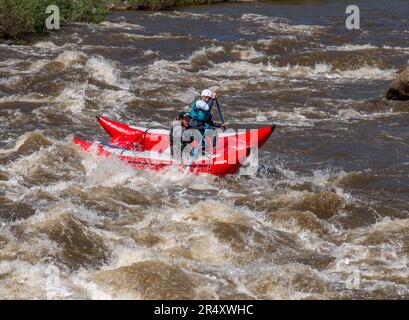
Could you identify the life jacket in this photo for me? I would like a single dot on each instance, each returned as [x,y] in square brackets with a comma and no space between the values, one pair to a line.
[199,114]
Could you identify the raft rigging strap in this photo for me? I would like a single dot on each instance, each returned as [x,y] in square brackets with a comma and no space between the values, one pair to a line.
[142,134]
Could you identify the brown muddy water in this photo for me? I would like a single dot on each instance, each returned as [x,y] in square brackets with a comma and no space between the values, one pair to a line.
[326,215]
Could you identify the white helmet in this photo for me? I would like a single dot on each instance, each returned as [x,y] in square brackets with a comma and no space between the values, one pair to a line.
[207,93]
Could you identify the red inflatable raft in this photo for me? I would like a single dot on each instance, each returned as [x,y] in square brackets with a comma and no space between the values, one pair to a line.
[150,148]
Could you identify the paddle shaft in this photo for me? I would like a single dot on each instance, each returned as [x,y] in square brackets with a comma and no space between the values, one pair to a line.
[194,155]
[220,111]
[196,150]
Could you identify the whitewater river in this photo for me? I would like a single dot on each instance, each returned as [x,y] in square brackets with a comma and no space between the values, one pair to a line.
[326,215]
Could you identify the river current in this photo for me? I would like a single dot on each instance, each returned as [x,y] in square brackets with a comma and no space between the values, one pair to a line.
[326,215]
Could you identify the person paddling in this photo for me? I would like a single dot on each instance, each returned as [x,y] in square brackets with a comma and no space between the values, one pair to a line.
[201,112]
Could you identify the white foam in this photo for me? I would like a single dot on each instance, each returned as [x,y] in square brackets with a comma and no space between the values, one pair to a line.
[289,118]
[363,47]
[103,70]
[9,63]
[368,73]
[280,25]
[185,95]
[10,81]
[70,57]
[106,171]
[351,47]
[19,142]
[185,14]
[32,281]
[164,35]
[93,291]
[113,99]
[32,97]
[247,53]
[162,70]
[150,52]
[46,45]
[204,52]
[320,70]
[349,115]
[38,65]
[237,68]
[396,48]
[74,98]
[120,25]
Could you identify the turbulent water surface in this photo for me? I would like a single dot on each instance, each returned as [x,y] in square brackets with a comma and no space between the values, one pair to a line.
[326,215]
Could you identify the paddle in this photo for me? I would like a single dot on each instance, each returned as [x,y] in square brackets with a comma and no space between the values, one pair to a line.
[220,111]
[195,151]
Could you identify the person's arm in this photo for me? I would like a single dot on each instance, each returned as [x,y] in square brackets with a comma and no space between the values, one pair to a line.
[217,125]
[200,104]
[213,124]
[210,103]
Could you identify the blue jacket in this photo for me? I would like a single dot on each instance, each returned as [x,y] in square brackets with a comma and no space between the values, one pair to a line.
[201,111]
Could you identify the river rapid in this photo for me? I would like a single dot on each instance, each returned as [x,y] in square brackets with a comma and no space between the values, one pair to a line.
[326,215]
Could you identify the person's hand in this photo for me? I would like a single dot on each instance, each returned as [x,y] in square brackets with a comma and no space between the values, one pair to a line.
[214,95]
[224,126]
